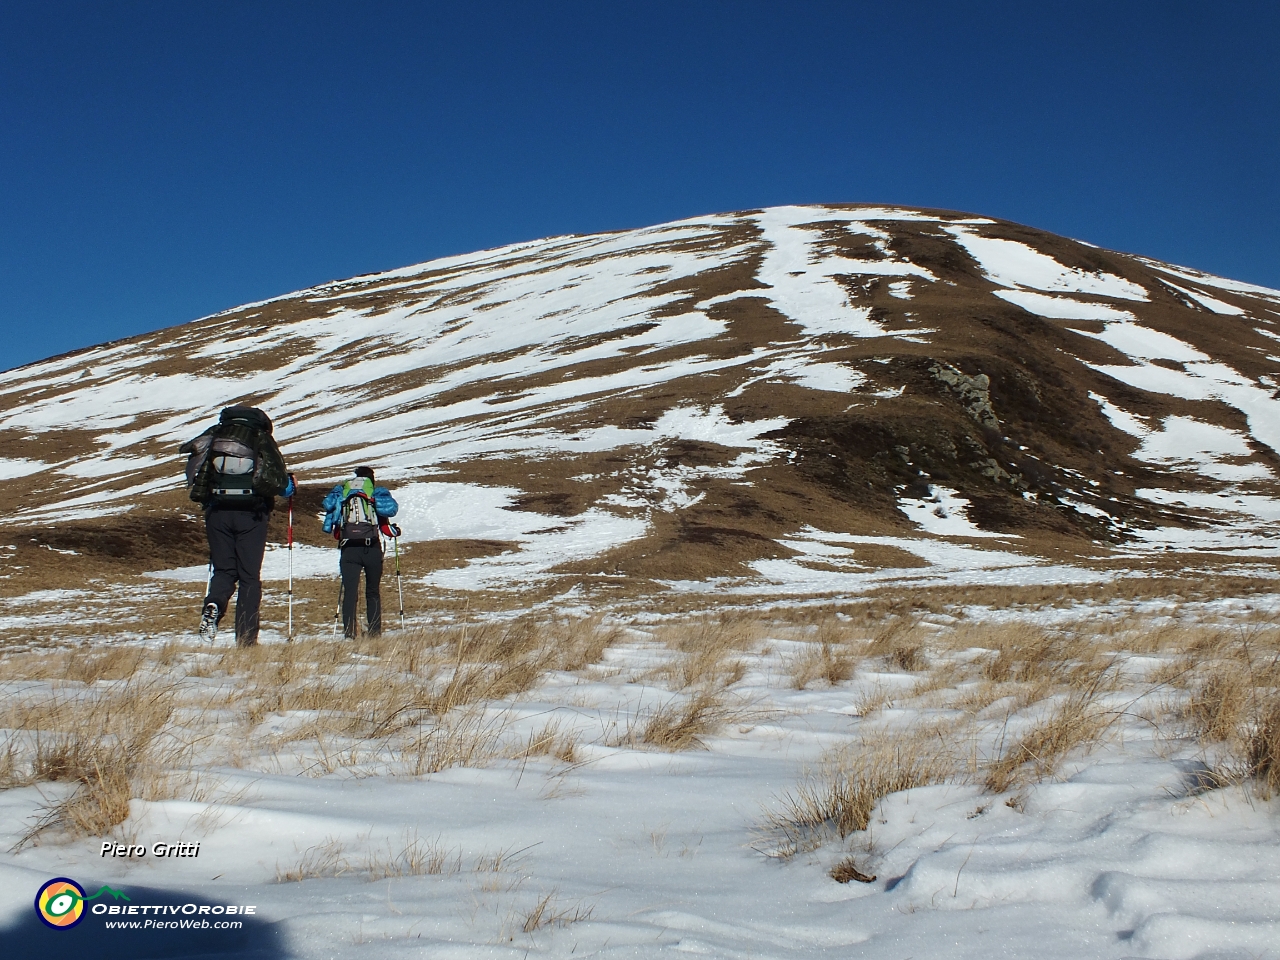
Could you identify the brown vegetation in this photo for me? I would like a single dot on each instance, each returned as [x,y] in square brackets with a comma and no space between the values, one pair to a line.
[113,723]
[838,798]
[1052,686]
[133,721]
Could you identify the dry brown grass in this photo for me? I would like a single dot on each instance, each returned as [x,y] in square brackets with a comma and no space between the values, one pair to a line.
[706,649]
[1074,724]
[993,669]
[82,664]
[109,743]
[681,723]
[901,641]
[1186,638]
[869,701]
[1262,750]
[422,685]
[464,738]
[128,721]
[831,656]
[549,741]
[133,721]
[943,675]
[322,860]
[548,911]
[1220,702]
[414,857]
[583,642]
[1234,706]
[840,796]
[823,661]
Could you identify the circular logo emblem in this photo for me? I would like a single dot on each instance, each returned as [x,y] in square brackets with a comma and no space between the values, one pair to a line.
[60,903]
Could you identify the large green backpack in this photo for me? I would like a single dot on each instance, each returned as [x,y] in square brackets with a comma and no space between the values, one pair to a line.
[359,516]
[235,462]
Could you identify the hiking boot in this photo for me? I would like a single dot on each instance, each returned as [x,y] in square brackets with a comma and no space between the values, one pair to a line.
[209,622]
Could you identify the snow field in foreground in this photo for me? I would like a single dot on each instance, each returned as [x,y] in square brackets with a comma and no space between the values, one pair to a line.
[315,797]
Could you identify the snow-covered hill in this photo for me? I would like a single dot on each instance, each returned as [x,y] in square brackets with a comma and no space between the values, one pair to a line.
[739,444]
[798,399]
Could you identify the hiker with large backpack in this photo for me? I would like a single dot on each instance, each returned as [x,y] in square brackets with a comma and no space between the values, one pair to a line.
[235,472]
[357,513]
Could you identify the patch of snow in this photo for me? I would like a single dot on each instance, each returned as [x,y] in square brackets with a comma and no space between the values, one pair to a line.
[813,374]
[11,468]
[803,275]
[574,538]
[308,561]
[1184,442]
[710,425]
[1226,501]
[1209,280]
[1088,509]
[1202,380]
[1014,264]
[447,511]
[111,466]
[1062,308]
[1143,343]
[832,377]
[838,569]
[1122,420]
[1211,303]
[943,513]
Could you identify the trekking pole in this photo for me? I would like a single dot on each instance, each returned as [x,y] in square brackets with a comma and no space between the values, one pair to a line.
[289,638]
[208,589]
[399,583]
[337,614]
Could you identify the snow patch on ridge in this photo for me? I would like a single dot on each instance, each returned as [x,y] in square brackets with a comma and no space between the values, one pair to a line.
[1211,303]
[1209,280]
[803,276]
[1014,264]
[1062,308]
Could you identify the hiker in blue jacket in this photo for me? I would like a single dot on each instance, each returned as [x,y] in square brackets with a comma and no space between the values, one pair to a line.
[357,514]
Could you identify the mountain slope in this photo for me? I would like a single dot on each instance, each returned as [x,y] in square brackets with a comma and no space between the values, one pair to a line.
[798,399]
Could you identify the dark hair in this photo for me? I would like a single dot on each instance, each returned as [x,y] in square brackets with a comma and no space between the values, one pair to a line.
[364,472]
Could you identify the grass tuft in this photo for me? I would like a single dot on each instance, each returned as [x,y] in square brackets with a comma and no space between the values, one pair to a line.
[1263,748]
[548,913]
[840,796]
[1076,723]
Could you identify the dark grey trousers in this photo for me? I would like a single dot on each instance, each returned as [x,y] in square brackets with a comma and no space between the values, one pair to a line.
[237,541]
[355,558]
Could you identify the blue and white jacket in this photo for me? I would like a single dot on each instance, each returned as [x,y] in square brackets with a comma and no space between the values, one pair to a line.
[383,502]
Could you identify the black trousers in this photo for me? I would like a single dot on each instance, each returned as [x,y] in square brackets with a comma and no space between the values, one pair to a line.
[237,541]
[355,558]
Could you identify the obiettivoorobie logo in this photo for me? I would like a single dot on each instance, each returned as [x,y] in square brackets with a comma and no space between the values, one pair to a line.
[60,902]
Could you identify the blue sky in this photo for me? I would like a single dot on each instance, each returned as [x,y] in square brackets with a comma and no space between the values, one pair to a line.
[163,161]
